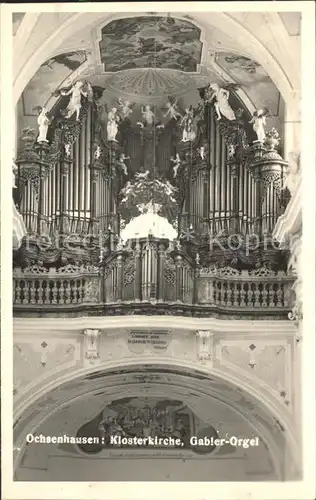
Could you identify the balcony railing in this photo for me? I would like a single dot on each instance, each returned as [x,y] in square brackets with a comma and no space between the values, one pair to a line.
[260,289]
[149,278]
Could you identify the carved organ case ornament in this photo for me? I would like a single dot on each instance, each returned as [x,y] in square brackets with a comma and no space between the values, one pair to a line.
[92,346]
[204,345]
[107,157]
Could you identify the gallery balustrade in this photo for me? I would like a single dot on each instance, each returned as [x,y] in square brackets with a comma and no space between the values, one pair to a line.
[145,273]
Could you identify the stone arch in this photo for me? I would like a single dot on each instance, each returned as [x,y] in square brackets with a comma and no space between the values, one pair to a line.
[45,403]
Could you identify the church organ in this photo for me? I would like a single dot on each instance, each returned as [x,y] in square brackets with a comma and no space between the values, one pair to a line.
[79,190]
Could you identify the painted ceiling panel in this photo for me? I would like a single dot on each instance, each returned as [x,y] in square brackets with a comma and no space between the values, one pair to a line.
[49,77]
[146,59]
[150,42]
[252,78]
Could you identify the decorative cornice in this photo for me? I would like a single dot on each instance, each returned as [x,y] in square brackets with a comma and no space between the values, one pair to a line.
[217,326]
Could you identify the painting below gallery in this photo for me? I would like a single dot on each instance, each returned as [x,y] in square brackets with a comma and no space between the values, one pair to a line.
[144,417]
[150,42]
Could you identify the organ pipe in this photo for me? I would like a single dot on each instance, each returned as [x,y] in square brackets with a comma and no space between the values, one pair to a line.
[70,191]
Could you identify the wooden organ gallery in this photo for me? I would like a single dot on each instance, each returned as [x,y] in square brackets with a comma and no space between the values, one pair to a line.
[213,192]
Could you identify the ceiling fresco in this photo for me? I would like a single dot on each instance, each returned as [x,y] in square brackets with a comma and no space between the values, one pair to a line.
[146,59]
[252,78]
[49,77]
[150,42]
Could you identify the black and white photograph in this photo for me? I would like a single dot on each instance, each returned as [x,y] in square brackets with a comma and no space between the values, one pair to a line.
[155,329]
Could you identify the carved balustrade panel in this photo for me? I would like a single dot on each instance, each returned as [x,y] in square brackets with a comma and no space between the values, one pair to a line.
[70,285]
[258,289]
[161,278]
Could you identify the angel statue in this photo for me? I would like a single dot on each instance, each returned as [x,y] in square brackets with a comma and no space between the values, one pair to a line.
[43,121]
[142,175]
[187,121]
[97,153]
[80,88]
[258,121]
[202,152]
[148,116]
[221,104]
[67,150]
[122,163]
[125,108]
[177,162]
[172,110]
[127,189]
[169,188]
[112,127]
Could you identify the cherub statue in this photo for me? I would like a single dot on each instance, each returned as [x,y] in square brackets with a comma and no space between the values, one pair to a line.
[127,189]
[67,150]
[142,175]
[125,108]
[112,127]
[259,120]
[148,116]
[43,121]
[169,190]
[172,111]
[122,163]
[202,152]
[187,122]
[80,88]
[177,162]
[97,153]
[221,104]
